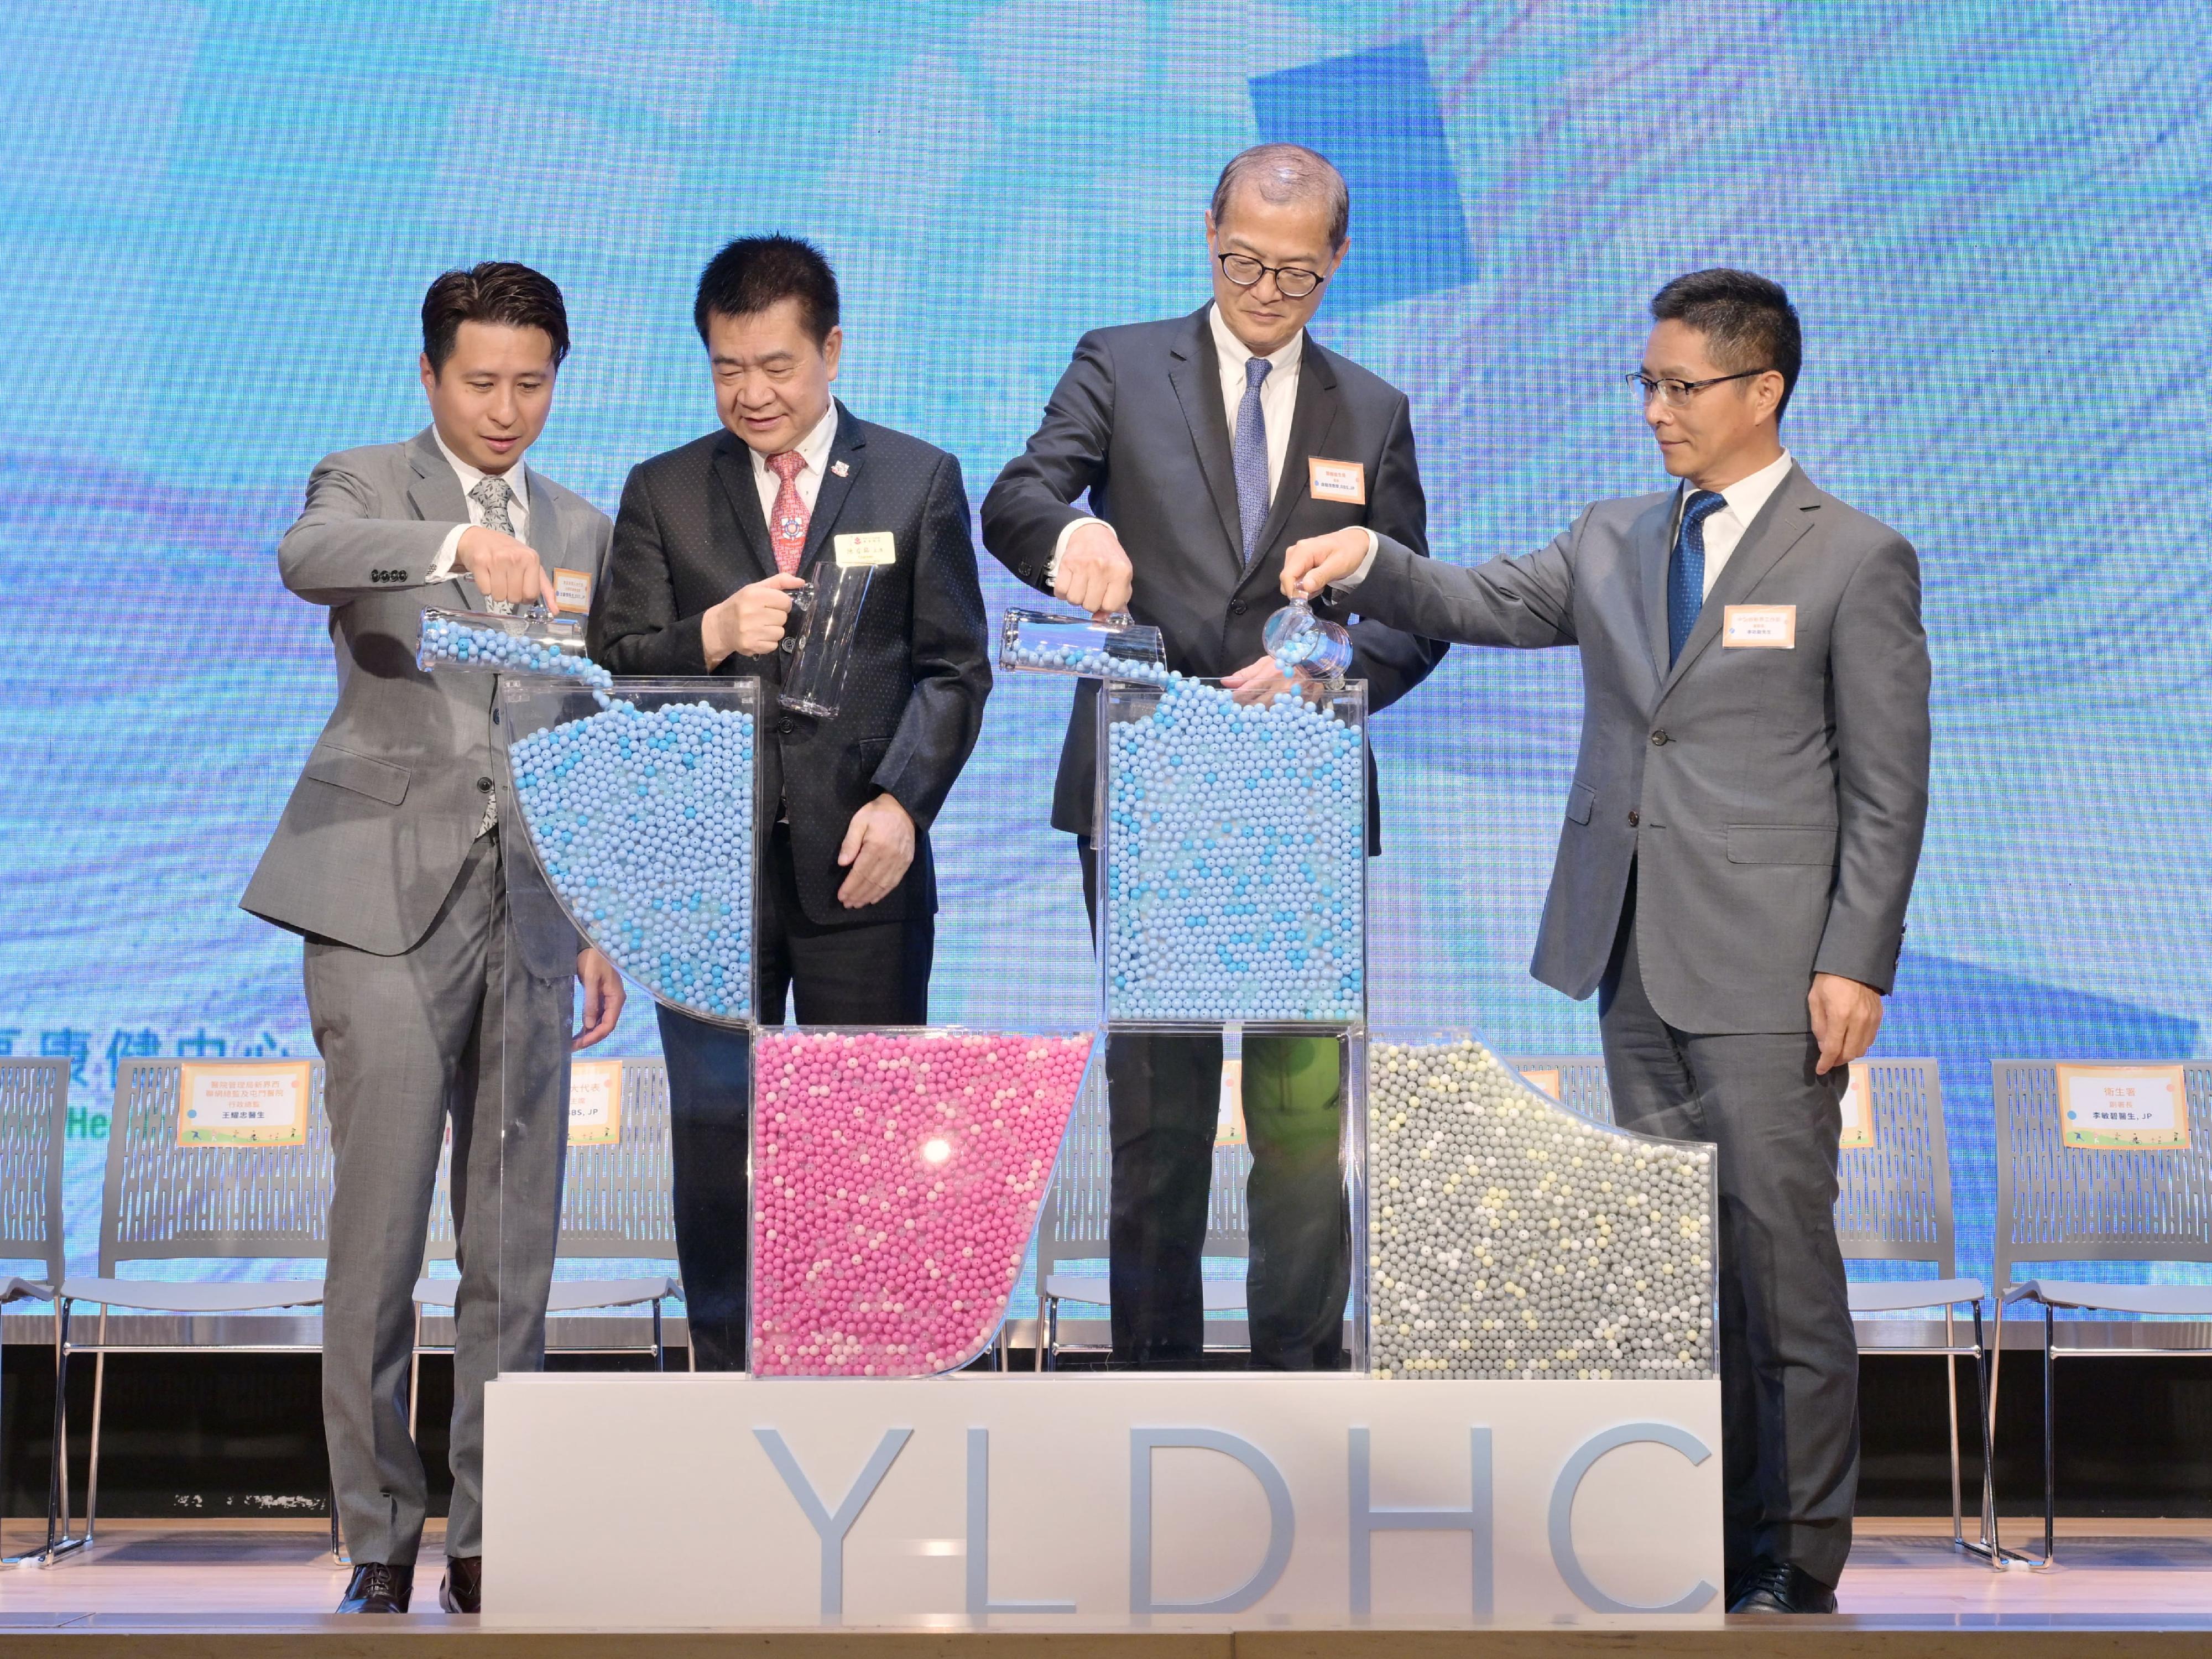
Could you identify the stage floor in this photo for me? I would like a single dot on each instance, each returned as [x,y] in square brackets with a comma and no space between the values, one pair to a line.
[235,1588]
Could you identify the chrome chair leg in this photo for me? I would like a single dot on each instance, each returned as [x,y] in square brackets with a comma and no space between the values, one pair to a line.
[659,1347]
[2050,1436]
[1049,1335]
[1951,1402]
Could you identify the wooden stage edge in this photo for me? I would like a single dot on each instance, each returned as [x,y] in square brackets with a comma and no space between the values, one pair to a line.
[240,1589]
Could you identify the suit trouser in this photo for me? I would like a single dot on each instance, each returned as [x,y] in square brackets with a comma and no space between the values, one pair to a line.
[1164,1094]
[407,1042]
[1789,1425]
[876,974]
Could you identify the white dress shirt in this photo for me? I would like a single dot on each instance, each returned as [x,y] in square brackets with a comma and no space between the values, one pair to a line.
[1278,402]
[1724,525]
[814,452]
[517,507]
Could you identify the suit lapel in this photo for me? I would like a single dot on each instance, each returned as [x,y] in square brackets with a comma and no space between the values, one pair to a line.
[754,556]
[1195,373]
[845,446]
[1654,542]
[435,496]
[1311,417]
[546,536]
[1780,525]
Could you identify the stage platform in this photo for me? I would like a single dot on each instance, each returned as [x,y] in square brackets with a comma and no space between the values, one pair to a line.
[231,1590]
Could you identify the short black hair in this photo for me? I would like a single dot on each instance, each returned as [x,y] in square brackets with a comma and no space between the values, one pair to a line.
[495,291]
[1748,321]
[754,272]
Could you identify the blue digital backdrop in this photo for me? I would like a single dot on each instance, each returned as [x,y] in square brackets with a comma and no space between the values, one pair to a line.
[216,222]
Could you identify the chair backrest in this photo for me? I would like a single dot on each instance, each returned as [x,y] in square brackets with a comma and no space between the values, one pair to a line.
[34,1119]
[1894,1197]
[1582,1087]
[2061,1203]
[164,1201]
[616,1199]
[1072,1225]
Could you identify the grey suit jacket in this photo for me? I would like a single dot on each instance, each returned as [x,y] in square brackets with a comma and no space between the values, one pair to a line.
[386,809]
[1772,801]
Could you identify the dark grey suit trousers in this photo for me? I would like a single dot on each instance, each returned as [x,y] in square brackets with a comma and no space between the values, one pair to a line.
[1789,1423]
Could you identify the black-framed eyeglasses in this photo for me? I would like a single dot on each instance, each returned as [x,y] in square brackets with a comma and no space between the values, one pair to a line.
[1292,282]
[1675,394]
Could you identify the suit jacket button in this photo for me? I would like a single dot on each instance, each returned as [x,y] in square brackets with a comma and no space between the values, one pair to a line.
[484,784]
[786,645]
[1236,608]
[784,729]
[1658,739]
[1633,819]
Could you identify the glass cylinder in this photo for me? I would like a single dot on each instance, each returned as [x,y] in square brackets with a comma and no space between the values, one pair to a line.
[486,642]
[897,1178]
[830,604]
[1071,642]
[1232,848]
[640,809]
[1305,646]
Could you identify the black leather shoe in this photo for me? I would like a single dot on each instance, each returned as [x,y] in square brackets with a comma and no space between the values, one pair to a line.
[1781,1587]
[461,1590]
[376,1587]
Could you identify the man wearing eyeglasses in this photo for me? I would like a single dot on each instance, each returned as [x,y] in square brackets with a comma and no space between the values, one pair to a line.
[1194,437]
[1739,848]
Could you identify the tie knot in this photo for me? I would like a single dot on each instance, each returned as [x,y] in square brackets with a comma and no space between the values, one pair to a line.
[490,493]
[1702,505]
[1256,369]
[787,466]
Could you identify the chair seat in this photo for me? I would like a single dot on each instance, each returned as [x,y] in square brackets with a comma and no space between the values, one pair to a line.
[195,1296]
[2190,1301]
[25,1289]
[569,1295]
[1900,1296]
[1221,1295]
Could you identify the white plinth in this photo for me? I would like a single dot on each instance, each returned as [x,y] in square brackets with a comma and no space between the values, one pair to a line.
[665,1501]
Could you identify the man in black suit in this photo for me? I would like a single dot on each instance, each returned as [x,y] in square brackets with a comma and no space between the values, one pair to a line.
[1208,443]
[710,542]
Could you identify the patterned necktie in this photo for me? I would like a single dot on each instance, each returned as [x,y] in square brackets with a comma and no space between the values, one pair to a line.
[1251,455]
[1686,570]
[787,522]
[493,495]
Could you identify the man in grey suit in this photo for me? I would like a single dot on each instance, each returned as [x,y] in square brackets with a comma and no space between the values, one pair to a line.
[440,971]
[1206,444]
[1739,848]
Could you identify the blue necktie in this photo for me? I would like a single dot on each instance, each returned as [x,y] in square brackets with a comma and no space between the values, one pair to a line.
[1686,570]
[1251,454]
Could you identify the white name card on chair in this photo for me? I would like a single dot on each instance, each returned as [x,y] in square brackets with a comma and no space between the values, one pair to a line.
[595,1103]
[1858,1110]
[1228,1120]
[232,1105]
[1544,1080]
[2123,1107]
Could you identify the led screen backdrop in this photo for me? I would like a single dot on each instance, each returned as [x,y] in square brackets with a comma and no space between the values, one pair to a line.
[216,222]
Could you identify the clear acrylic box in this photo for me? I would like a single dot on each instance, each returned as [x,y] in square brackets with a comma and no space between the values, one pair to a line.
[1073,642]
[897,1178]
[1233,849]
[486,642]
[640,809]
[1508,1238]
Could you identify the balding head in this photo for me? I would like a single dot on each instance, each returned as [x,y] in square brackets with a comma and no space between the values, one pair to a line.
[1282,174]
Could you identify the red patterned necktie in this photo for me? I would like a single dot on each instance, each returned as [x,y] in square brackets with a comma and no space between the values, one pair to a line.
[787,523]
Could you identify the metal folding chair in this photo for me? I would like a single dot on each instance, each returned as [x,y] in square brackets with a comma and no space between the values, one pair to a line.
[1072,1226]
[166,1203]
[1582,1087]
[2061,1203]
[34,1119]
[616,1205]
[1893,1203]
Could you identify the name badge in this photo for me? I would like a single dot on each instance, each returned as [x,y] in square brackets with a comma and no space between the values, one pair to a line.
[571,590]
[875,547]
[1760,627]
[2123,1107]
[1857,1109]
[244,1105]
[1337,481]
[595,1103]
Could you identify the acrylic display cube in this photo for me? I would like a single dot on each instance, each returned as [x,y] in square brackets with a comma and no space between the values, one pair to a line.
[1232,841]
[897,1178]
[1510,1237]
[1072,642]
[640,809]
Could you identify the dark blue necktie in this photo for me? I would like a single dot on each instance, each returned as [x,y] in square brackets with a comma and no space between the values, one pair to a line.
[1686,570]
[1251,457]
